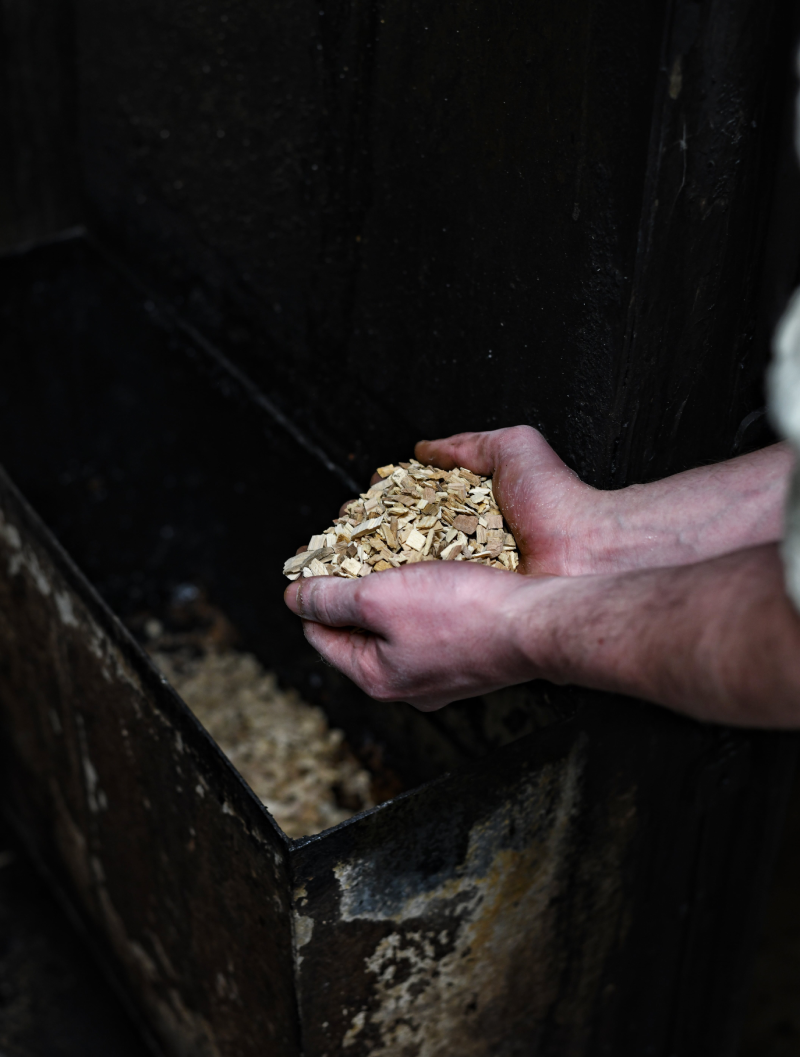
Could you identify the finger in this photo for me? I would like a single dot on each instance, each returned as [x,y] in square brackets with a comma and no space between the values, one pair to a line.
[341,647]
[330,600]
[302,550]
[474,451]
[355,654]
[344,506]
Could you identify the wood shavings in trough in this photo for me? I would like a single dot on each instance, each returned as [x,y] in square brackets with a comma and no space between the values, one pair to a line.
[414,513]
[300,768]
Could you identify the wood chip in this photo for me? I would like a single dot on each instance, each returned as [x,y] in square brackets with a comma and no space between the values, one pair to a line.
[404,519]
[466,523]
[366,528]
[297,563]
[429,541]
[451,552]
[415,539]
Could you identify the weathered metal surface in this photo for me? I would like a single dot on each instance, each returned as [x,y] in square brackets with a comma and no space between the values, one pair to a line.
[159,845]
[418,938]
[539,902]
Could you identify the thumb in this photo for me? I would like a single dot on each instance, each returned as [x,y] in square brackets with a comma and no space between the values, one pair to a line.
[483,453]
[474,451]
[333,601]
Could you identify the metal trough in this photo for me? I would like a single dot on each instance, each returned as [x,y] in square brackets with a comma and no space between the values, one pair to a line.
[568,873]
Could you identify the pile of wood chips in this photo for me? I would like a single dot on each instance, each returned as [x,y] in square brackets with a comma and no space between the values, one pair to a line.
[414,513]
[300,768]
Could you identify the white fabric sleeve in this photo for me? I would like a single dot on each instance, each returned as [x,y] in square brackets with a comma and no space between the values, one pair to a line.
[784,400]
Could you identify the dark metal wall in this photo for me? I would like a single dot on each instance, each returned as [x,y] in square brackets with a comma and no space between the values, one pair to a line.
[446,218]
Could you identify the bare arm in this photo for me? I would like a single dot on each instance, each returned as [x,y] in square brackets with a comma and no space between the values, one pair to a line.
[565,527]
[719,641]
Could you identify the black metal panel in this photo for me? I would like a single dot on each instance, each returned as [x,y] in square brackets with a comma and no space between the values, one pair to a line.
[690,376]
[458,217]
[40,157]
[175,868]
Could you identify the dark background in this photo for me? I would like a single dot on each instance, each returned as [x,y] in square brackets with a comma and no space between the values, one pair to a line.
[398,221]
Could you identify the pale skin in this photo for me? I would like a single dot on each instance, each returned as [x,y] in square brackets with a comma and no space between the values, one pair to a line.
[671,591]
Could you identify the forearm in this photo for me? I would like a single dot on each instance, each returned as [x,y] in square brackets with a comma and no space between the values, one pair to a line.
[691,516]
[719,641]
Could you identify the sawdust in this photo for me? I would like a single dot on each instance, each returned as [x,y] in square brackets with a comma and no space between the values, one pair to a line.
[300,768]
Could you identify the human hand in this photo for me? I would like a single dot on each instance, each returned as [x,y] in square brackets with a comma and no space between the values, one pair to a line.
[566,528]
[430,633]
[551,512]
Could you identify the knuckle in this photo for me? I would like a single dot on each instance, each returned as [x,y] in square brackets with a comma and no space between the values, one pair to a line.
[522,434]
[314,603]
[368,604]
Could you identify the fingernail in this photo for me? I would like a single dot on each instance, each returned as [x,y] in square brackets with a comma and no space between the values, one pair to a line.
[291,597]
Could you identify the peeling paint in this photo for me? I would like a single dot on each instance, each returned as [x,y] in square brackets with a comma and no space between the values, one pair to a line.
[65,610]
[427,978]
[303,931]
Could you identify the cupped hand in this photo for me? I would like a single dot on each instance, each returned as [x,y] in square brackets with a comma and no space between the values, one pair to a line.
[427,634]
[551,512]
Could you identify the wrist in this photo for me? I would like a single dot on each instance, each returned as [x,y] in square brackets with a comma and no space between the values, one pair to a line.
[540,625]
[595,538]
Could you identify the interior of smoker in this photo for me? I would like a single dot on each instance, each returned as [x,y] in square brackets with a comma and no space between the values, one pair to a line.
[158,467]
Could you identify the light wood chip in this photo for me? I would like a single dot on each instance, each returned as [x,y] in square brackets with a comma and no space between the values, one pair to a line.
[429,541]
[415,539]
[451,552]
[367,527]
[406,518]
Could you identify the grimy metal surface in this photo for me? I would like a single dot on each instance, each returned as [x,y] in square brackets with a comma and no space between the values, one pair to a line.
[137,815]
